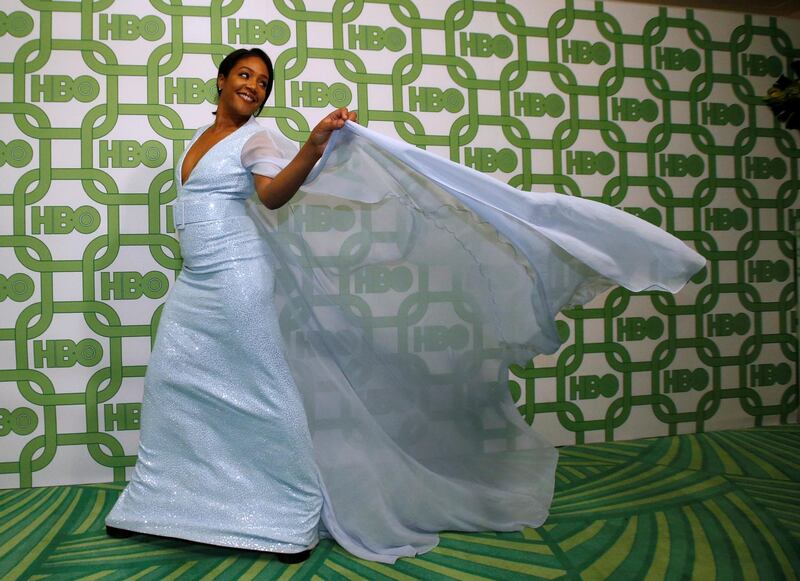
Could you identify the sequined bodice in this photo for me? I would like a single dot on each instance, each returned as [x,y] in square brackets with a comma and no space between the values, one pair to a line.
[219,174]
[210,210]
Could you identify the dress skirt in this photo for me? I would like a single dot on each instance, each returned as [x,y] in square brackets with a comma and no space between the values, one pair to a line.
[340,366]
[225,455]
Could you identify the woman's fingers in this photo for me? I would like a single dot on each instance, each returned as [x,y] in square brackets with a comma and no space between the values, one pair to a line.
[343,114]
[330,123]
[336,119]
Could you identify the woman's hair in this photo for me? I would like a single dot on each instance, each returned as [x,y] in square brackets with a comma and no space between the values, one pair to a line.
[229,61]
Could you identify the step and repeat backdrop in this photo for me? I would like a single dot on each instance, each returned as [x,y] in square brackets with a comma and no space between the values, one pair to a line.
[655,111]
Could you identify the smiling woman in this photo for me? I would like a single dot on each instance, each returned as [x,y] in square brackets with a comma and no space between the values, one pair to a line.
[298,388]
[207,475]
[247,65]
[243,84]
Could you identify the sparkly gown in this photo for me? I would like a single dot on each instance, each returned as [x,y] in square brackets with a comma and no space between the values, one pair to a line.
[225,454]
[338,367]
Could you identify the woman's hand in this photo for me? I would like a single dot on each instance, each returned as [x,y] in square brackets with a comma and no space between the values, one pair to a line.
[322,132]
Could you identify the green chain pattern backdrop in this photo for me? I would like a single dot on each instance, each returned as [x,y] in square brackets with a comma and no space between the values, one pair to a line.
[655,111]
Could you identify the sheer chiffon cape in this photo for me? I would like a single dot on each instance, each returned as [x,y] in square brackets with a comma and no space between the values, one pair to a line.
[406,285]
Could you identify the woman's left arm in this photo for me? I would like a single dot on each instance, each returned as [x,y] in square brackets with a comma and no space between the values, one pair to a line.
[275,192]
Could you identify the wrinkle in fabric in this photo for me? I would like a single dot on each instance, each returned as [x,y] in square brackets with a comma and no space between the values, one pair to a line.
[406,286]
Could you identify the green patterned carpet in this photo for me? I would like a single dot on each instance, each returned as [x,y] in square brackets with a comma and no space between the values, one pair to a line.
[724,505]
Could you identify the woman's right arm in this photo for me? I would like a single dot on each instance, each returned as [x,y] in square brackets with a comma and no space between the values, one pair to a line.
[275,192]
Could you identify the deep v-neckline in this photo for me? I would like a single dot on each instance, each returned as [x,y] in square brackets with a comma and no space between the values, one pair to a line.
[202,157]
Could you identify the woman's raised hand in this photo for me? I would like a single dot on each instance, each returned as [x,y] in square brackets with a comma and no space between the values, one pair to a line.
[322,132]
[275,192]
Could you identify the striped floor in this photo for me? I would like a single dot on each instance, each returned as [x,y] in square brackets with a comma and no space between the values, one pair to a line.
[724,505]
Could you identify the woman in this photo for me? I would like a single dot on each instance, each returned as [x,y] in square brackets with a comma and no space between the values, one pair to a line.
[338,367]
[204,347]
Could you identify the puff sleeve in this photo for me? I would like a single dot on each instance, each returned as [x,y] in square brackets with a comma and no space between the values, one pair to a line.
[262,154]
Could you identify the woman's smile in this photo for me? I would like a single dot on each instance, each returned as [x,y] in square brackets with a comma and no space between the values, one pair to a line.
[244,89]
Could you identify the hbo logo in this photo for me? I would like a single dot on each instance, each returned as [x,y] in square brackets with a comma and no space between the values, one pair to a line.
[21,421]
[129,27]
[189,90]
[769,374]
[682,380]
[639,328]
[675,59]
[487,159]
[123,286]
[63,219]
[762,168]
[584,52]
[432,99]
[66,353]
[727,324]
[376,38]
[62,88]
[725,219]
[679,165]
[17,287]
[312,94]
[721,114]
[767,270]
[440,337]
[16,24]
[319,218]
[127,153]
[16,153]
[538,104]
[759,65]
[255,31]
[380,279]
[593,386]
[627,109]
[588,162]
[484,45]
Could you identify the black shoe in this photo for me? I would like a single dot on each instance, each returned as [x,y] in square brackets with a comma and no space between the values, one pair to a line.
[293,558]
[118,533]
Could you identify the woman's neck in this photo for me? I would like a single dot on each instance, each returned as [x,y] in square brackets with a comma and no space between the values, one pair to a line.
[224,121]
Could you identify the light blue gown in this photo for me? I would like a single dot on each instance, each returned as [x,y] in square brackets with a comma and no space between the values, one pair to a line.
[338,367]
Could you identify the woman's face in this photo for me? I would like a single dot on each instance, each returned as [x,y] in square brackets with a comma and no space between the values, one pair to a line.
[245,87]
